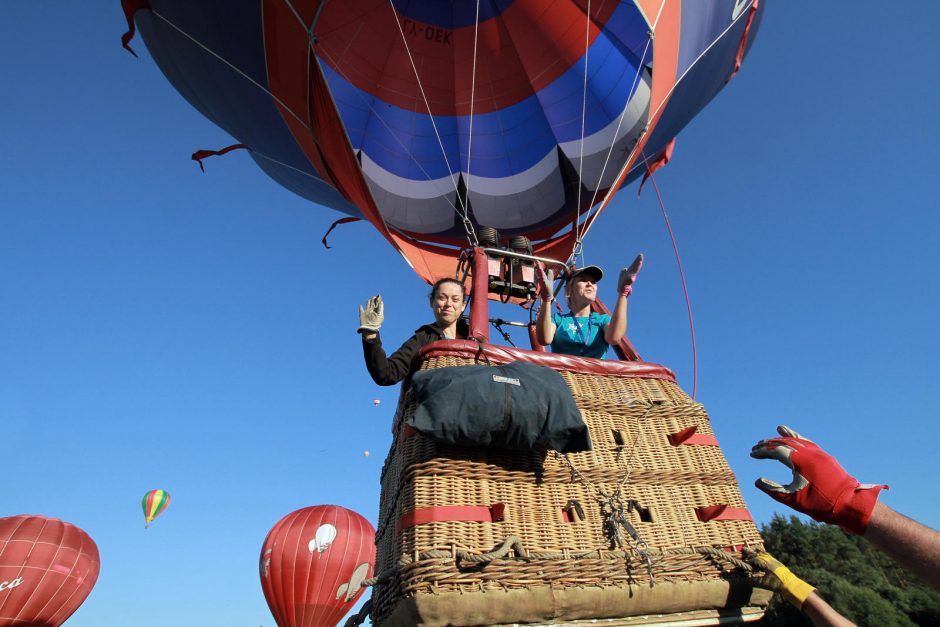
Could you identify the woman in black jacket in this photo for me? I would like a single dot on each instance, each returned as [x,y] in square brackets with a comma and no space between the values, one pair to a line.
[448,300]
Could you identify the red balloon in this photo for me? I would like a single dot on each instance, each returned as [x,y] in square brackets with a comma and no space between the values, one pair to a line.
[312,563]
[47,569]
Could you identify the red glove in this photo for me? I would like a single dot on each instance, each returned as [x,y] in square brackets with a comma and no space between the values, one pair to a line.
[821,488]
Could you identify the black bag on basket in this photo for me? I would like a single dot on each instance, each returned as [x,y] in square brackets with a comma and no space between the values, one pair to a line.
[517,406]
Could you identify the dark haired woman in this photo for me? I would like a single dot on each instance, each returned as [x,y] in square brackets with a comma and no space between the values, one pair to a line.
[447,300]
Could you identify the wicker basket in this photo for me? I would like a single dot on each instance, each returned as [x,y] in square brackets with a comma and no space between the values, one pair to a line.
[472,536]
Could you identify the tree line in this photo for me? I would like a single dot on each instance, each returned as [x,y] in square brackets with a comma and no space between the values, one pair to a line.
[858,580]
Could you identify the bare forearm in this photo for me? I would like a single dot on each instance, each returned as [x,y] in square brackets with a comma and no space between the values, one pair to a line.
[914,546]
[822,614]
[617,327]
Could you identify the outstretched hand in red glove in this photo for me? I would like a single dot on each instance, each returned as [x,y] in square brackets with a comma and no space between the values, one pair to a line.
[821,488]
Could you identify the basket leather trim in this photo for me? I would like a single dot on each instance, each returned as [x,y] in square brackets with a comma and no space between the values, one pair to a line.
[722,512]
[495,354]
[689,436]
[449,513]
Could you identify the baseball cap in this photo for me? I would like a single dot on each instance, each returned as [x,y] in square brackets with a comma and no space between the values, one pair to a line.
[593,271]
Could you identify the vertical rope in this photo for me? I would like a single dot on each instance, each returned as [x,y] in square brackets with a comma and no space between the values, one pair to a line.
[468,226]
[580,233]
[685,289]
[577,246]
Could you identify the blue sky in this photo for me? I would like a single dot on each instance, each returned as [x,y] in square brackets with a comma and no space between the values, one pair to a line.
[160,327]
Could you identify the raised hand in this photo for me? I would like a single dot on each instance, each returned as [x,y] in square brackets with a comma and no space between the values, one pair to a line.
[372,315]
[628,276]
[820,488]
[546,281]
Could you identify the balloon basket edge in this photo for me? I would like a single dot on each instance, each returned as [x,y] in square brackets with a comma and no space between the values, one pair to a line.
[565,567]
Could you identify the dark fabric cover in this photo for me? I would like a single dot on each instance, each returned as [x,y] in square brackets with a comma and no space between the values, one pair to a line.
[516,406]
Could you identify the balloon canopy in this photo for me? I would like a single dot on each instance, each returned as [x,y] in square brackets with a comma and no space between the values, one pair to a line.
[431,119]
[312,564]
[153,504]
[47,569]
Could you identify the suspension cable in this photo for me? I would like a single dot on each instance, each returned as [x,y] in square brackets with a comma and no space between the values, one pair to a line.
[468,226]
[576,247]
[579,235]
[685,289]
[378,117]
[231,66]
[335,63]
[590,221]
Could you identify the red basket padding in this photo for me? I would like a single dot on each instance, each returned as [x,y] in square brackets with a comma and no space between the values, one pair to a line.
[722,512]
[689,436]
[444,513]
[585,365]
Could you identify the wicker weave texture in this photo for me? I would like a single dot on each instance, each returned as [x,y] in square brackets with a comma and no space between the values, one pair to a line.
[543,494]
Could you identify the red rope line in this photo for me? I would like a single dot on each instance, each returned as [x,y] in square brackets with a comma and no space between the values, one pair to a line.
[685,289]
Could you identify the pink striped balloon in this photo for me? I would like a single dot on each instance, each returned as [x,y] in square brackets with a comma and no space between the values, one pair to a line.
[47,569]
[312,563]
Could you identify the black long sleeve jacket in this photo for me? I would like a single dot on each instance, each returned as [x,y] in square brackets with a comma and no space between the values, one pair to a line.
[391,370]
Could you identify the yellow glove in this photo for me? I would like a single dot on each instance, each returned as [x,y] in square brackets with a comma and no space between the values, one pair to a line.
[780,579]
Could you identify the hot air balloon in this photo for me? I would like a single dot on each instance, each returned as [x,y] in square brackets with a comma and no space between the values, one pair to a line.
[376,402]
[477,138]
[153,503]
[312,564]
[432,119]
[47,569]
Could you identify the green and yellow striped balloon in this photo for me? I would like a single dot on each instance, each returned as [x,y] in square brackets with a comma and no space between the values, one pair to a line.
[154,503]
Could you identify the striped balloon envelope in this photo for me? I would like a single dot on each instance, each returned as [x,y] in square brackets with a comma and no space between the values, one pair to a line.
[313,563]
[433,118]
[153,503]
[47,569]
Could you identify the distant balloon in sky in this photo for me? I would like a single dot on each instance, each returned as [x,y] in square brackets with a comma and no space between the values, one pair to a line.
[312,564]
[365,453]
[154,502]
[47,569]
[376,402]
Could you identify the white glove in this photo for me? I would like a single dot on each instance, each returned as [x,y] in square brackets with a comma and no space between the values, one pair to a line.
[372,315]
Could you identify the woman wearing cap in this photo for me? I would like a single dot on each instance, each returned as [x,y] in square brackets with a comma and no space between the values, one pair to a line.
[580,331]
[447,303]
